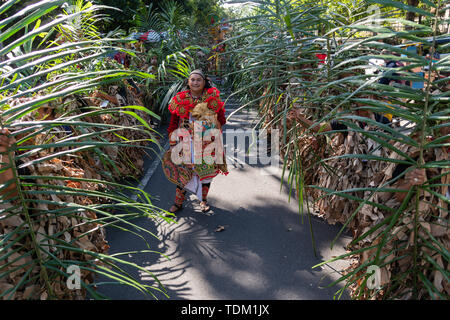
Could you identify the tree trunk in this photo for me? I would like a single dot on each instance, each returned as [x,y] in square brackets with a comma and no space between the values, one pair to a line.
[411,15]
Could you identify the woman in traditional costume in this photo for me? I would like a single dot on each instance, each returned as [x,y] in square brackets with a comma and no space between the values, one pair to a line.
[196,152]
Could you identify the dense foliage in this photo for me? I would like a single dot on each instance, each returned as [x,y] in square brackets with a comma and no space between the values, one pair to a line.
[297,60]
[197,12]
[63,66]
[69,154]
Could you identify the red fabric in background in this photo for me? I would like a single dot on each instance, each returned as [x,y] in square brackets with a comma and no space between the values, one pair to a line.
[321,57]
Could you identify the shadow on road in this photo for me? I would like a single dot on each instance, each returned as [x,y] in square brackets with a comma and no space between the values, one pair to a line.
[254,245]
[254,256]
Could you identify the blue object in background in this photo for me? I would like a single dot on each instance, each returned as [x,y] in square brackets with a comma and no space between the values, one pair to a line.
[418,85]
[412,49]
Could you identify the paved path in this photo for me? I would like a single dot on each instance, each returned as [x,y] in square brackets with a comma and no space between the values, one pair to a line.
[264,251]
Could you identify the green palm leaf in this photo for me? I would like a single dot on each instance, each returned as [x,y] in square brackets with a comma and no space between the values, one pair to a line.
[275,49]
[57,217]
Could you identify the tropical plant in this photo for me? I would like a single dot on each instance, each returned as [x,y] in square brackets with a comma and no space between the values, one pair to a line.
[146,18]
[123,16]
[407,240]
[173,72]
[81,27]
[351,180]
[203,10]
[174,23]
[55,223]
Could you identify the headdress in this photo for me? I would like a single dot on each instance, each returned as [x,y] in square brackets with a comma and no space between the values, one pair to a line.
[199,72]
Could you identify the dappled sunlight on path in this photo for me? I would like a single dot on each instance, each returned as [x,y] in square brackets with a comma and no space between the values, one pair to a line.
[252,245]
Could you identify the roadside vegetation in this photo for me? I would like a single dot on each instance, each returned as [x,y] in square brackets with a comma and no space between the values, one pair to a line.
[84,88]
[305,65]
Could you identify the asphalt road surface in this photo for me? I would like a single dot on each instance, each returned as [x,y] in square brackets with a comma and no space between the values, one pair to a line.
[253,245]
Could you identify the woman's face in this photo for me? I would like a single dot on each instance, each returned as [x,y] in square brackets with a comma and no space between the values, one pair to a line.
[196,83]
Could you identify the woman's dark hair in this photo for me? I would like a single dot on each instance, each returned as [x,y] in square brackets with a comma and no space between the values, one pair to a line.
[208,83]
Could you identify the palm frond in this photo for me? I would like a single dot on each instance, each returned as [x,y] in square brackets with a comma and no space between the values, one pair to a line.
[66,169]
[349,172]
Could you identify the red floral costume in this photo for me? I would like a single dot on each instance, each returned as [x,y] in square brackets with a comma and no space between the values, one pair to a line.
[183,103]
[180,107]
